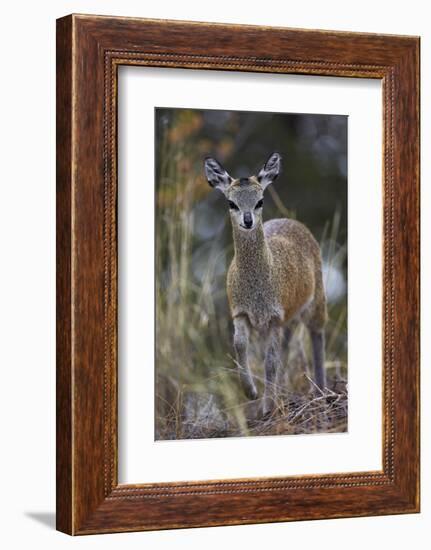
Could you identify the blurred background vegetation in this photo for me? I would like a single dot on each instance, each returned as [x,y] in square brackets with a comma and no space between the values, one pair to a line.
[197,389]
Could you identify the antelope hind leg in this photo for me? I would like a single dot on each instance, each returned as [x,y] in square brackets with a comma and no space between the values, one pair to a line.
[318,345]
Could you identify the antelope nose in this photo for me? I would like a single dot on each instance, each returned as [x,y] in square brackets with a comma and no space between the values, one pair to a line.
[248,220]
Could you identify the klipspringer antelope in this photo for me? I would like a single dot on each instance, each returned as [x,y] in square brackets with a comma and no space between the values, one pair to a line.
[274,280]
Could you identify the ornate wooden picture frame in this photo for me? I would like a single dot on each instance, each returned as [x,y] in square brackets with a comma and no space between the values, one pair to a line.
[89,51]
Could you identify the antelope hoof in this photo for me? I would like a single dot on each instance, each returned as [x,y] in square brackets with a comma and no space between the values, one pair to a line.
[268,408]
[251,392]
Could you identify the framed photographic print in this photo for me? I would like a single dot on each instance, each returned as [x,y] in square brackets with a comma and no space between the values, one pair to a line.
[237,274]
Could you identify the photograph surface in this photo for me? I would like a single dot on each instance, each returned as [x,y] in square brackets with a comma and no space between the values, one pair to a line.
[251,273]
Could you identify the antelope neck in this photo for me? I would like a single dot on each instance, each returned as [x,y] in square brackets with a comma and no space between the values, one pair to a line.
[251,249]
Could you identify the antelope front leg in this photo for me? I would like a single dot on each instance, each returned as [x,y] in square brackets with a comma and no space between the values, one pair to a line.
[272,365]
[240,341]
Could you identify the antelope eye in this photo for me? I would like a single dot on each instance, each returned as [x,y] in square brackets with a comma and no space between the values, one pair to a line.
[233,206]
[259,204]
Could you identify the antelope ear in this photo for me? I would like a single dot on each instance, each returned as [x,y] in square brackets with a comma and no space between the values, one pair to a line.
[216,175]
[270,170]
